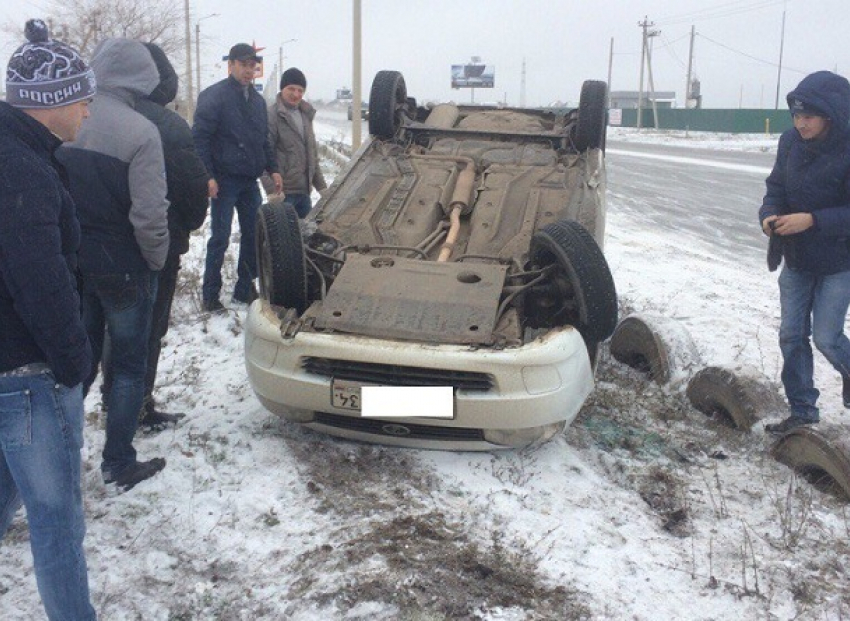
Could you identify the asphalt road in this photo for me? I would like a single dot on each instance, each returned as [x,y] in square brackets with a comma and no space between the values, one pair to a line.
[699,193]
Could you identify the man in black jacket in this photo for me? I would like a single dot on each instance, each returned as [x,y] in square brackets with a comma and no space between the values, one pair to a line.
[231,136]
[187,193]
[44,352]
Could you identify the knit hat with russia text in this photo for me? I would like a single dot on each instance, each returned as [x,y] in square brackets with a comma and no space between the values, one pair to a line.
[44,73]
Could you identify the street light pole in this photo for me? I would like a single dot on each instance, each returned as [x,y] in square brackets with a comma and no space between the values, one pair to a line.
[281,57]
[198,48]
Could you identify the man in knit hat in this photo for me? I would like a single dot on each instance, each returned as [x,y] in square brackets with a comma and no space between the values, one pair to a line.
[291,134]
[807,207]
[44,352]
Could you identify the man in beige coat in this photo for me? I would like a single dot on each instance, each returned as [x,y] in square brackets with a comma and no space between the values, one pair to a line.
[292,138]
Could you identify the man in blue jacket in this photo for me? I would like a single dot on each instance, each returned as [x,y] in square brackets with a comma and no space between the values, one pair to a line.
[44,352]
[231,136]
[807,209]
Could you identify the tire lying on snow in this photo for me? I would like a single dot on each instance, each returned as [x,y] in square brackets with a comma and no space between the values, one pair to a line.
[657,346]
[281,263]
[734,397]
[821,456]
[583,276]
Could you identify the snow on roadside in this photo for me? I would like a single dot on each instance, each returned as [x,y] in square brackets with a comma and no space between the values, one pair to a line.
[717,141]
[641,510]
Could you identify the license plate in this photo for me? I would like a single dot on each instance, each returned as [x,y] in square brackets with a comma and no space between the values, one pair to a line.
[393,401]
[346,395]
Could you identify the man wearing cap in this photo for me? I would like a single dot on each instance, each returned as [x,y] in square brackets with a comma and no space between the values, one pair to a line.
[44,351]
[291,134]
[807,208]
[231,136]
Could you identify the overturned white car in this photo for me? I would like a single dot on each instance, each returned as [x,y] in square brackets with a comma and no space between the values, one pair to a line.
[450,290]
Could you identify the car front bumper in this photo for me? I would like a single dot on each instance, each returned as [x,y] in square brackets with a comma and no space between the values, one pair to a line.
[534,390]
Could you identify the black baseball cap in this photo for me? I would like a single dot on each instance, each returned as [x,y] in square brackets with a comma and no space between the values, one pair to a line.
[243,51]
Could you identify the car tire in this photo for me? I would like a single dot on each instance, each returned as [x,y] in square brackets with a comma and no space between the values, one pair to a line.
[592,116]
[386,102]
[719,392]
[568,244]
[636,343]
[281,261]
[821,456]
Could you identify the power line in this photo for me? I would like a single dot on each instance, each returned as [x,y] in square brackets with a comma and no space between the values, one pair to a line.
[750,56]
[668,46]
[719,11]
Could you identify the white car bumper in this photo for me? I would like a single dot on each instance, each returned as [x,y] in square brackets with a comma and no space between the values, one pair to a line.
[530,392]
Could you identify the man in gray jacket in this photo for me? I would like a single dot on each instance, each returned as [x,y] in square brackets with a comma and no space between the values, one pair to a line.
[291,135]
[117,174]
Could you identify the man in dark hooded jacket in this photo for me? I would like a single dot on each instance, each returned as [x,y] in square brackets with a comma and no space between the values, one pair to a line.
[807,206]
[187,194]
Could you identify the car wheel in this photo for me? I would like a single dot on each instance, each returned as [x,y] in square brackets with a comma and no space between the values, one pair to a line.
[637,344]
[584,282]
[280,257]
[822,457]
[719,392]
[386,102]
[592,111]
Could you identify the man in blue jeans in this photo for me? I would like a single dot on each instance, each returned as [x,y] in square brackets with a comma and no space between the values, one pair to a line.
[231,136]
[117,172]
[806,211]
[44,352]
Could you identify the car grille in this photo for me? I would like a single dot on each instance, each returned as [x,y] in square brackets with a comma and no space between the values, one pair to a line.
[394,375]
[399,430]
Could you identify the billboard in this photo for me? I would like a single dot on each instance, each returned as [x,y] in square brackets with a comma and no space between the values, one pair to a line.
[473,75]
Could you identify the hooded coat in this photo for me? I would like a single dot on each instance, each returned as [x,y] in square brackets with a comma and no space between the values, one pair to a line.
[117,169]
[814,177]
[185,173]
[39,236]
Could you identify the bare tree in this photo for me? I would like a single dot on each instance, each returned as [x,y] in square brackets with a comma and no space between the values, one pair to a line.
[84,23]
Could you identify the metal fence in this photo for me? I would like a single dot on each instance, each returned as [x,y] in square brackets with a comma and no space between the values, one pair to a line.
[738,121]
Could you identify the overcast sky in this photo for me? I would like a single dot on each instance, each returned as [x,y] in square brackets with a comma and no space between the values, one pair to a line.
[562,42]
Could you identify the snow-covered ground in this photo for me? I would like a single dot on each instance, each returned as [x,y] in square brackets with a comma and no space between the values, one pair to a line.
[642,510]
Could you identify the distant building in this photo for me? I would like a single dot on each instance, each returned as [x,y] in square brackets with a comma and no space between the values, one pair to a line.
[628,100]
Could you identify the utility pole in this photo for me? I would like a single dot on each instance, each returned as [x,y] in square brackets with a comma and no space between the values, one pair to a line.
[651,34]
[779,72]
[355,80]
[522,87]
[690,67]
[198,54]
[610,66]
[644,25]
[190,91]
